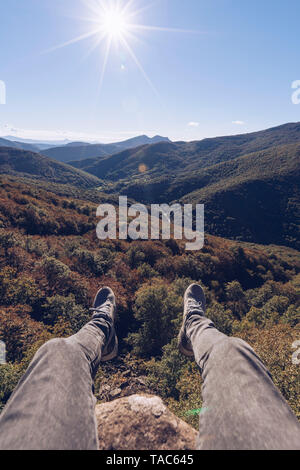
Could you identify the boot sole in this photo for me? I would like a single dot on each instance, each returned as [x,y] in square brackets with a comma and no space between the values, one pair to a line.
[186,352]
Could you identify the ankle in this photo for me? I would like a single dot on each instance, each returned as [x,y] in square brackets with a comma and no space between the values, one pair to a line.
[103,322]
[192,317]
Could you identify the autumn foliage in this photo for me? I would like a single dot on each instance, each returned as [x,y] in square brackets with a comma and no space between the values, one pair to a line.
[51,265]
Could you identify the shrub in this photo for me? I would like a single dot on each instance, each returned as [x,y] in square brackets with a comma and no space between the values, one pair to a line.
[95,263]
[21,290]
[237,300]
[55,270]
[292,316]
[37,221]
[165,373]
[18,331]
[64,308]
[146,272]
[222,317]
[9,378]
[188,266]
[156,309]
[274,347]
[135,257]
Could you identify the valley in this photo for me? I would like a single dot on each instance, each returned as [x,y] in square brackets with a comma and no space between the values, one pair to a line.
[51,262]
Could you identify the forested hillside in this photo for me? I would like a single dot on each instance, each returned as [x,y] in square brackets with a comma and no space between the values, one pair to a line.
[252,198]
[249,183]
[51,265]
[169,159]
[23,163]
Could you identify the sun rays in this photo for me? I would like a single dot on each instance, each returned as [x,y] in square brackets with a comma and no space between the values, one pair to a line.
[114,21]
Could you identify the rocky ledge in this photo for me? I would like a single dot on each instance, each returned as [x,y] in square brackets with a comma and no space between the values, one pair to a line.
[142,422]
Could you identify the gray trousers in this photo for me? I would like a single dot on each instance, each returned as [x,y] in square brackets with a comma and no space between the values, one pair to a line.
[53,406]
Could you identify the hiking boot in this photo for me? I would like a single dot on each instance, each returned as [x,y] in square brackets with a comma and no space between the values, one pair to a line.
[105,307]
[194,304]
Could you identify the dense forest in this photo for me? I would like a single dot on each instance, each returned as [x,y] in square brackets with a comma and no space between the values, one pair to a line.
[249,183]
[252,198]
[51,265]
[170,159]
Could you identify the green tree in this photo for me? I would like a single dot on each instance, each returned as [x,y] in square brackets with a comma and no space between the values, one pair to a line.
[64,308]
[221,316]
[156,309]
[9,378]
[237,299]
[165,373]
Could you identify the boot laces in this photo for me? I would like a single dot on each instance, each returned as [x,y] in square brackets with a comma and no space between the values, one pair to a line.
[192,304]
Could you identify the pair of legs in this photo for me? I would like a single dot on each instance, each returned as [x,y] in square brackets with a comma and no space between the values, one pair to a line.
[53,406]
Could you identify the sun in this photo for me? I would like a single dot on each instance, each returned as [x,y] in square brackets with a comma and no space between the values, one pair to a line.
[114,23]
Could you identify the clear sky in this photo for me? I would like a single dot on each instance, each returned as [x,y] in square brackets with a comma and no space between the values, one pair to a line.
[232,74]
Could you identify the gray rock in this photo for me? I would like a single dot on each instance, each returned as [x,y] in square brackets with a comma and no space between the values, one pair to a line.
[115,393]
[142,422]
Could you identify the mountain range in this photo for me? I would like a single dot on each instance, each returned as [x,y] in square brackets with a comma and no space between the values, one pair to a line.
[249,183]
[254,198]
[65,150]
[79,151]
[167,159]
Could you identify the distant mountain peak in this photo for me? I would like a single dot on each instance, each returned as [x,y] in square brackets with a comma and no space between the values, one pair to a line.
[76,151]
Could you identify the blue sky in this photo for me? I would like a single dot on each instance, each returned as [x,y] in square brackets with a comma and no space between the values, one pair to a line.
[233,76]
